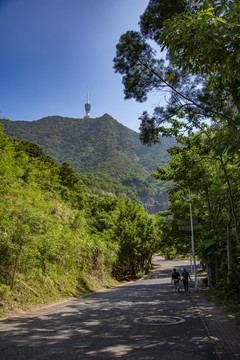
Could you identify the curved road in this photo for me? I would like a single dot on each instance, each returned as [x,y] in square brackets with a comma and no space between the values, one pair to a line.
[145,319]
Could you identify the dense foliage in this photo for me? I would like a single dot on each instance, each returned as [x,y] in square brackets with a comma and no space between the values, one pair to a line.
[200,74]
[107,155]
[56,239]
[214,184]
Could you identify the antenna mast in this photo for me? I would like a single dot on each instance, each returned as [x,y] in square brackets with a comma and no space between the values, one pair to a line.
[87,107]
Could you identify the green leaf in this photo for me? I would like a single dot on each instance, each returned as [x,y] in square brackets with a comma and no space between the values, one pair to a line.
[221,20]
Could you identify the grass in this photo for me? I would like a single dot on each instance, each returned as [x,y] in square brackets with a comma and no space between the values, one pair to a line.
[38,291]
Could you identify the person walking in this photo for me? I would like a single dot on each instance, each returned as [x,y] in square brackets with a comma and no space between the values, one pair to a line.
[175,279]
[185,277]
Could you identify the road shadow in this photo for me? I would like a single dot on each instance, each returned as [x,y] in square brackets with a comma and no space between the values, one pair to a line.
[142,320]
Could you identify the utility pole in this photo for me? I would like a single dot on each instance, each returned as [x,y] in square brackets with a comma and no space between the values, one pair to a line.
[193,248]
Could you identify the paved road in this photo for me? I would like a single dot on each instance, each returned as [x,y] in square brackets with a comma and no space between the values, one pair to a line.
[141,320]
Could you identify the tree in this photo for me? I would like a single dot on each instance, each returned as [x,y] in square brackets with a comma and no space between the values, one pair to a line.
[135,232]
[201,77]
[202,96]
[191,166]
[129,229]
[68,176]
[199,85]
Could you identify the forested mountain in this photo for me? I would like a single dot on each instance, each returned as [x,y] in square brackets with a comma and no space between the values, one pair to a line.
[108,156]
[57,240]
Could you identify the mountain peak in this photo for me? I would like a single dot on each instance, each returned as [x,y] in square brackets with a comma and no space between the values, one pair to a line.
[100,144]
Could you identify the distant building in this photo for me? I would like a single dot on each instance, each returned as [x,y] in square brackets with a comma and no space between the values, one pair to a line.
[87,108]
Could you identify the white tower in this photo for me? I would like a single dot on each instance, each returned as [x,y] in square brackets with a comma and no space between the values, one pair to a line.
[87,107]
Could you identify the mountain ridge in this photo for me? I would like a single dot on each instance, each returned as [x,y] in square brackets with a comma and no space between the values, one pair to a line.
[99,145]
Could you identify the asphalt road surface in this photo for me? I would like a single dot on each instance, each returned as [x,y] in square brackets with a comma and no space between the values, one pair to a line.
[145,319]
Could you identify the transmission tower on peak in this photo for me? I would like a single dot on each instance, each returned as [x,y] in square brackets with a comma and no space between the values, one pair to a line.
[87,107]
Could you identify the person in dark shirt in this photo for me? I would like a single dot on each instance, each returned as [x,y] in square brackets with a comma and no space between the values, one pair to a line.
[175,279]
[185,277]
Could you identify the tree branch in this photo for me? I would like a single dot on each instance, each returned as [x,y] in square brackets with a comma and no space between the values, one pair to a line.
[207,110]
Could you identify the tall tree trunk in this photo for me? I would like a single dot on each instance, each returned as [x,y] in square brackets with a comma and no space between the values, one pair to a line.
[210,211]
[229,250]
[234,216]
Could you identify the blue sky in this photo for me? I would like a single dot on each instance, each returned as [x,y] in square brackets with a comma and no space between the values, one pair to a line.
[52,49]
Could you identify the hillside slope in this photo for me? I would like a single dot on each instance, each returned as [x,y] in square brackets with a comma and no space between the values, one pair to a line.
[100,146]
[57,240]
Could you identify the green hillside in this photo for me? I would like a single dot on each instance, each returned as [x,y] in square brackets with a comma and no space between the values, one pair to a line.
[99,149]
[57,240]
